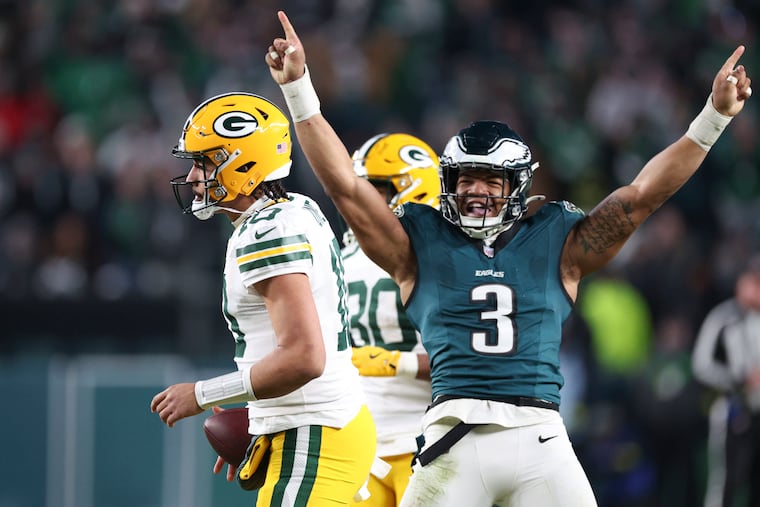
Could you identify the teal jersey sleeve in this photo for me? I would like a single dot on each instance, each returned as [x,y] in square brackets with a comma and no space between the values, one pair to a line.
[492,326]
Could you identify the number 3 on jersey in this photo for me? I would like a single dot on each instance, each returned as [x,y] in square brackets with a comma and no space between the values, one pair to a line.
[502,298]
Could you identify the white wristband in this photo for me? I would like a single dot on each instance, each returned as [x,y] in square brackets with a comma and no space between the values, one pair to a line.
[407,366]
[233,387]
[707,126]
[301,97]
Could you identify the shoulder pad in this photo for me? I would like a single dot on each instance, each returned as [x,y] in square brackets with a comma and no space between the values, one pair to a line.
[572,208]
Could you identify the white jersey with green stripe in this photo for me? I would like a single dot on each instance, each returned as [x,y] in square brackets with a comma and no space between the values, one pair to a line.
[285,237]
[378,318]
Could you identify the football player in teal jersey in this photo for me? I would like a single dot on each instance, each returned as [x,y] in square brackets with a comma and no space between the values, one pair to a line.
[489,288]
[393,365]
[284,301]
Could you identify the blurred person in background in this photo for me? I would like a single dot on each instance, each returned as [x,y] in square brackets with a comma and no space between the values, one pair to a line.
[666,404]
[285,304]
[489,290]
[726,358]
[387,349]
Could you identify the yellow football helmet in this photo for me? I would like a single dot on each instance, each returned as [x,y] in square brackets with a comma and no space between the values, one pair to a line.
[403,162]
[245,138]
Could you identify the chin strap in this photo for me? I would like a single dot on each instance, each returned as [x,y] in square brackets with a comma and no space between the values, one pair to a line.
[534,198]
[262,203]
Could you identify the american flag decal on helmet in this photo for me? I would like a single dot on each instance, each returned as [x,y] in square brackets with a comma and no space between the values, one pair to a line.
[282,148]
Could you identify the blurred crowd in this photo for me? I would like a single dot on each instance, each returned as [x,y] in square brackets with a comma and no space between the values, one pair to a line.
[93,94]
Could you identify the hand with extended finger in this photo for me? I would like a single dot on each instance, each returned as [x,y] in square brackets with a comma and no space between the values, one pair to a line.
[287,64]
[286,57]
[374,361]
[731,86]
[730,90]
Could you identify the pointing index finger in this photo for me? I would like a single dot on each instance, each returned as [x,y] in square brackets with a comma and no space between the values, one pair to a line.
[290,33]
[728,67]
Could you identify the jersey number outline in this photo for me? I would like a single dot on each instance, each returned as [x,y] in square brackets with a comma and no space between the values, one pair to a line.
[367,306]
[504,341]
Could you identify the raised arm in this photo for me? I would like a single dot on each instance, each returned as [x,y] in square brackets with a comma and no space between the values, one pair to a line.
[377,229]
[600,236]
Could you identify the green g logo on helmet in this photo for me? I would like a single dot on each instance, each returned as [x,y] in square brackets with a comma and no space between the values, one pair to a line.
[235,124]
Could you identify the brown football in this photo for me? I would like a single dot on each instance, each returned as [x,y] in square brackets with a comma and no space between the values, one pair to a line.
[227,432]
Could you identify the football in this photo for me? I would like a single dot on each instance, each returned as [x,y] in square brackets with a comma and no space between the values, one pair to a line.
[227,432]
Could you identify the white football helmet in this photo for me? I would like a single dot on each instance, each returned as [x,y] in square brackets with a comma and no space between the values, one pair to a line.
[491,146]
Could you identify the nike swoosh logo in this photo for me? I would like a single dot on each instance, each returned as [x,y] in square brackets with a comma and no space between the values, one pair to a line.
[541,439]
[373,356]
[261,235]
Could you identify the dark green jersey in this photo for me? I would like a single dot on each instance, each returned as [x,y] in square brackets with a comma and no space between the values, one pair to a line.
[492,326]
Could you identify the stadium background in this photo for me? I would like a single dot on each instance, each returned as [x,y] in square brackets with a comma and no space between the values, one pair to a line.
[108,293]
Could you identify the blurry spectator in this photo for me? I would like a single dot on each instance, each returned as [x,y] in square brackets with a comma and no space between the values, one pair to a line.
[64,273]
[620,322]
[666,404]
[614,452]
[727,359]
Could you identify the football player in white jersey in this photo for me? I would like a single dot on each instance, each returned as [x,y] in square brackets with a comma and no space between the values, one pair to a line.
[284,300]
[388,352]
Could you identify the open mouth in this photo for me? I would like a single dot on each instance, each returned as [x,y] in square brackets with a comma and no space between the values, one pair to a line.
[477,209]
